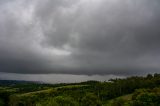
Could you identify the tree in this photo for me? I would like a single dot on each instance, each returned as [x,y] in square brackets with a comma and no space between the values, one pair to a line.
[149,76]
[91,100]
[65,101]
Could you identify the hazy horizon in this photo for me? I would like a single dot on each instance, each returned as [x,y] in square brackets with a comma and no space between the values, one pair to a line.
[56,78]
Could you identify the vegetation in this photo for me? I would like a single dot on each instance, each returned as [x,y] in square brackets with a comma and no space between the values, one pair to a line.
[131,91]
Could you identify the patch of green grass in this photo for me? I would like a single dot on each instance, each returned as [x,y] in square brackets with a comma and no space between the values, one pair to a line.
[125,98]
[30,98]
[8,89]
[36,92]
[71,86]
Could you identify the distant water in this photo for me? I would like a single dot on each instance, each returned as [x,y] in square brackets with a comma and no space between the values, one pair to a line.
[55,78]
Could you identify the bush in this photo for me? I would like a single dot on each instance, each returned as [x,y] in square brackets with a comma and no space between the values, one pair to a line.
[49,102]
[148,97]
[65,101]
[58,101]
[91,100]
[118,102]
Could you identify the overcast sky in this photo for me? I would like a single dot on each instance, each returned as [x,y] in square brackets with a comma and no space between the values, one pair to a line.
[80,37]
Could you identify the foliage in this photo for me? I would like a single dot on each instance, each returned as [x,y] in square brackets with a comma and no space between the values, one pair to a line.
[90,100]
[118,102]
[58,101]
[146,97]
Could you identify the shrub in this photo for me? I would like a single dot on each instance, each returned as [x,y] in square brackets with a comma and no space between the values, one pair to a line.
[118,102]
[91,100]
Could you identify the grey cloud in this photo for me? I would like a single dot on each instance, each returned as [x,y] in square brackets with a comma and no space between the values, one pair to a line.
[80,36]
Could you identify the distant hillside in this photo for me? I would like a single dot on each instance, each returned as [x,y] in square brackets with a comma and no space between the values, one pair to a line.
[14,82]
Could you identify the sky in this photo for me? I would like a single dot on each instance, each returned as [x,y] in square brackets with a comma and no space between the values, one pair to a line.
[74,38]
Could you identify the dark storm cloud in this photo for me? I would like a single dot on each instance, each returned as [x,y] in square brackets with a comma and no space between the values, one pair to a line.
[80,36]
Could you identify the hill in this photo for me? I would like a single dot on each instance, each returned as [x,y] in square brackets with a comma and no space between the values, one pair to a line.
[131,91]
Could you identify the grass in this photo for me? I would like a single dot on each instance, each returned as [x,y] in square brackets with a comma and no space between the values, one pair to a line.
[71,86]
[124,98]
